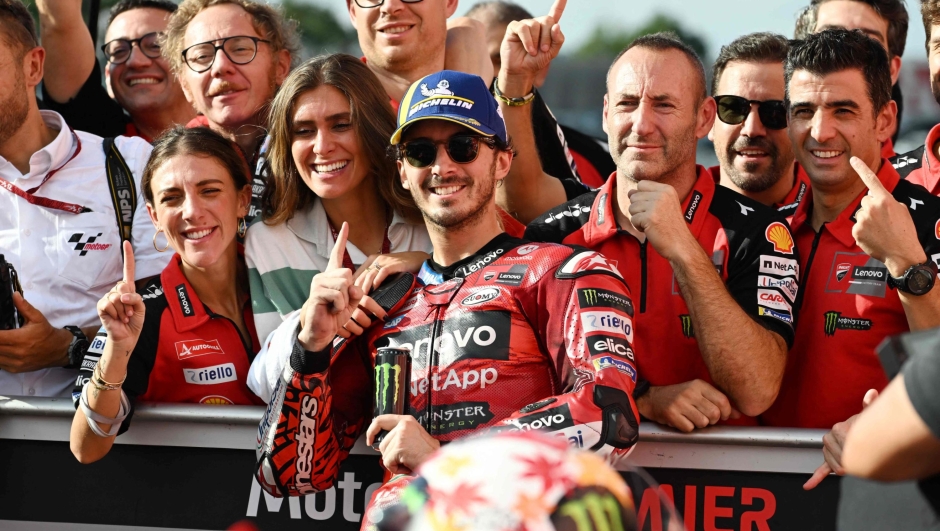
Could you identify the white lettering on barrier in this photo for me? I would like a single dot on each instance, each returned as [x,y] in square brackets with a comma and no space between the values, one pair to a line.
[348,485]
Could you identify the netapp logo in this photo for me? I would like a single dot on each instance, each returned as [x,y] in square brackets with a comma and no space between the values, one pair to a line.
[183,295]
[466,380]
[775,265]
[556,418]
[211,375]
[476,335]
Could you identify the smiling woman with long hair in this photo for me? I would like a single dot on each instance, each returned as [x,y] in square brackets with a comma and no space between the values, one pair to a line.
[329,127]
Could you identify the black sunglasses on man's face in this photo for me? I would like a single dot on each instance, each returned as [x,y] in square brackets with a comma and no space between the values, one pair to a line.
[733,110]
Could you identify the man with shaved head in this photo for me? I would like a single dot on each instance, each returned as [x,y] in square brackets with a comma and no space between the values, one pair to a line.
[693,253]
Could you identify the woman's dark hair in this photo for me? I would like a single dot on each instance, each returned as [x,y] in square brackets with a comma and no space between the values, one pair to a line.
[373,123]
[199,141]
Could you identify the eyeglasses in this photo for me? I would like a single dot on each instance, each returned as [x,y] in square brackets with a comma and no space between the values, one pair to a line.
[733,110]
[240,50]
[462,149]
[366,4]
[118,51]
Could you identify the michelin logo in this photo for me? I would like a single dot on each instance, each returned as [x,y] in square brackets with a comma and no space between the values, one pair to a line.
[442,89]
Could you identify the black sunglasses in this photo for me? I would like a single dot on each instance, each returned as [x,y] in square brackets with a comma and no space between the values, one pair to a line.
[366,4]
[118,51]
[462,149]
[733,110]
[239,49]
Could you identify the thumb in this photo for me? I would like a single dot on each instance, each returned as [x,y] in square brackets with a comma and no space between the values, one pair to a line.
[870,397]
[29,312]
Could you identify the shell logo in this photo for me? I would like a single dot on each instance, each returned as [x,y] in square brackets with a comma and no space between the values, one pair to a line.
[778,234]
[216,400]
[936,229]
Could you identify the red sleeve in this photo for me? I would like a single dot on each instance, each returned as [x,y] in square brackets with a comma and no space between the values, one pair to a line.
[585,316]
[312,422]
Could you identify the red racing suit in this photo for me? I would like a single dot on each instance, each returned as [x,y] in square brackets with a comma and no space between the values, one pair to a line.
[518,336]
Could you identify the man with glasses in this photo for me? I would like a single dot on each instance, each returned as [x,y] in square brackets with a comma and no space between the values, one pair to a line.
[750,134]
[137,76]
[503,334]
[230,57]
[714,272]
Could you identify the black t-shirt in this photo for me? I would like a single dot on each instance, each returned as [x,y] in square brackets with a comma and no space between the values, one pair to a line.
[91,110]
[922,376]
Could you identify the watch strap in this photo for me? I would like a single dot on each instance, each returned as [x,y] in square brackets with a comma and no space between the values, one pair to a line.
[902,282]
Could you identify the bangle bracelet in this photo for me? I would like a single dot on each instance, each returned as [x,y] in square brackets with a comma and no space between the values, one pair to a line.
[102,385]
[512,102]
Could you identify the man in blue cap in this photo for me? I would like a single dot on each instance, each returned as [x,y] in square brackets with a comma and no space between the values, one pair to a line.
[503,333]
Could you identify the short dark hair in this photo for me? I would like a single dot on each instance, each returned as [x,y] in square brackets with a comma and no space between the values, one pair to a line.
[835,50]
[663,41]
[930,13]
[17,25]
[502,12]
[893,11]
[127,5]
[761,47]
[199,141]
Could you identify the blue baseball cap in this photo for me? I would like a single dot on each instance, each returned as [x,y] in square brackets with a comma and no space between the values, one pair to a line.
[455,97]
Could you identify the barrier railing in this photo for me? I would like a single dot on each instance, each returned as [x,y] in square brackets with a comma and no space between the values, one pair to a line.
[183,466]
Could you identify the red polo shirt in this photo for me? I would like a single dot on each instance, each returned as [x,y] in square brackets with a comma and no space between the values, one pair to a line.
[847,310]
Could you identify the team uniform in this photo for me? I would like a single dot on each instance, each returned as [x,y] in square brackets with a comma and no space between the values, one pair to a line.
[921,166]
[740,235]
[847,310]
[185,353]
[794,196]
[518,336]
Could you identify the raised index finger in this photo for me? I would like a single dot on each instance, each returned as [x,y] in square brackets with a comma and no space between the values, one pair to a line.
[868,177]
[339,248]
[557,9]
[128,264]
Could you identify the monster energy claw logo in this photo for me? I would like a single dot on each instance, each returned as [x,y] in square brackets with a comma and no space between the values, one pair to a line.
[831,319]
[687,329]
[594,511]
[590,296]
[382,380]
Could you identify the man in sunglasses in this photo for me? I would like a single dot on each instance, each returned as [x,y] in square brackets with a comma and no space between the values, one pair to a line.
[230,57]
[714,272]
[750,135]
[503,334]
[137,76]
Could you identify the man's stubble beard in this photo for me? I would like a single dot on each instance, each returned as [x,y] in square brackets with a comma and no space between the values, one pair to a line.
[674,155]
[756,183]
[14,110]
[454,221]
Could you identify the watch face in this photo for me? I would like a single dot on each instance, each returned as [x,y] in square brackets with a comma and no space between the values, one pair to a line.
[920,281]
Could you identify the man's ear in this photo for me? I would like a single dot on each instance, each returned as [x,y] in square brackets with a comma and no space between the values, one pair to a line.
[451,7]
[352,12]
[185,86]
[281,66]
[895,64]
[401,175]
[886,122]
[503,164]
[107,80]
[706,117]
[33,64]
[604,117]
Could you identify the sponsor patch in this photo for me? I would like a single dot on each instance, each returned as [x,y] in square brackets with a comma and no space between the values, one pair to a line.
[787,285]
[572,211]
[601,209]
[448,418]
[772,299]
[465,380]
[306,437]
[185,304]
[216,400]
[609,362]
[586,263]
[842,270]
[485,260]
[786,318]
[835,321]
[605,345]
[89,364]
[394,322]
[97,345]
[198,347]
[688,330]
[774,265]
[473,335]
[211,375]
[857,274]
[778,234]
[556,418]
[602,298]
[509,275]
[608,322]
[89,245]
[481,296]
[526,249]
[693,206]
[872,276]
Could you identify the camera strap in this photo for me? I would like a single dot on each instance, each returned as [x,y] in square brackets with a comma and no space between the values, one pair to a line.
[31,198]
[121,186]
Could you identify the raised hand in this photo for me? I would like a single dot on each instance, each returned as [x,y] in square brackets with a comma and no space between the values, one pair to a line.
[530,45]
[122,310]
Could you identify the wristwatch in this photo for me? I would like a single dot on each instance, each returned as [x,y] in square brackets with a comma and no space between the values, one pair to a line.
[917,280]
[77,348]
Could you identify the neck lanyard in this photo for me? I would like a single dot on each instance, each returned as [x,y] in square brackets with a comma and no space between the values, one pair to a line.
[347,261]
[29,196]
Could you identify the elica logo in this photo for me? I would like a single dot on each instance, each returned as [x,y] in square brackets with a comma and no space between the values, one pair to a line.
[197,347]
[481,296]
[211,375]
[834,321]
[688,330]
[609,322]
[84,247]
[185,305]
[448,418]
[556,418]
[466,380]
[482,262]
[602,298]
[600,345]
[306,438]
[473,335]
[387,390]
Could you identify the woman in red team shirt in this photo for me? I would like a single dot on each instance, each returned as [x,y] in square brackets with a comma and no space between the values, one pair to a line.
[187,335]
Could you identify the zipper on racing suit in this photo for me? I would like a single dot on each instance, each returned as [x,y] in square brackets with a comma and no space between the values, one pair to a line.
[432,364]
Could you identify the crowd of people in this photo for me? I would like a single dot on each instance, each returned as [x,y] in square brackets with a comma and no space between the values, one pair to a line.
[304,216]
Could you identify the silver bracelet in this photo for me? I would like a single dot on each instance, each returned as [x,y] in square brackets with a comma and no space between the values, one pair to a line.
[93,418]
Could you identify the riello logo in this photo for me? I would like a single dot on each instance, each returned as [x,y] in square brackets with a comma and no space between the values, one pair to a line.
[83,247]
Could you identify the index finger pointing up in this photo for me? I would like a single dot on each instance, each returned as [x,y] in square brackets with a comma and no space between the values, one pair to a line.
[868,177]
[128,264]
[339,248]
[557,9]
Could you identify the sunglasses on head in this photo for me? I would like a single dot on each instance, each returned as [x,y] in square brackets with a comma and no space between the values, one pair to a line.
[462,149]
[733,110]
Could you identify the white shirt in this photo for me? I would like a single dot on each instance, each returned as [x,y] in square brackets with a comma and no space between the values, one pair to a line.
[46,246]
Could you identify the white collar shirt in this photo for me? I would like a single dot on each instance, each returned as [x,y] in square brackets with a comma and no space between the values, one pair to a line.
[65,261]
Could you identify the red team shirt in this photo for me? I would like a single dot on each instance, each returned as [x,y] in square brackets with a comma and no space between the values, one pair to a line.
[847,311]
[921,166]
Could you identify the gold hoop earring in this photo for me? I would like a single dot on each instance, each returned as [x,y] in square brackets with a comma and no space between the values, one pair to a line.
[155,242]
[242,228]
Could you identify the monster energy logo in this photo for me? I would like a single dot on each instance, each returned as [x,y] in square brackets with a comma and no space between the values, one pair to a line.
[594,511]
[687,329]
[590,296]
[834,321]
[382,382]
